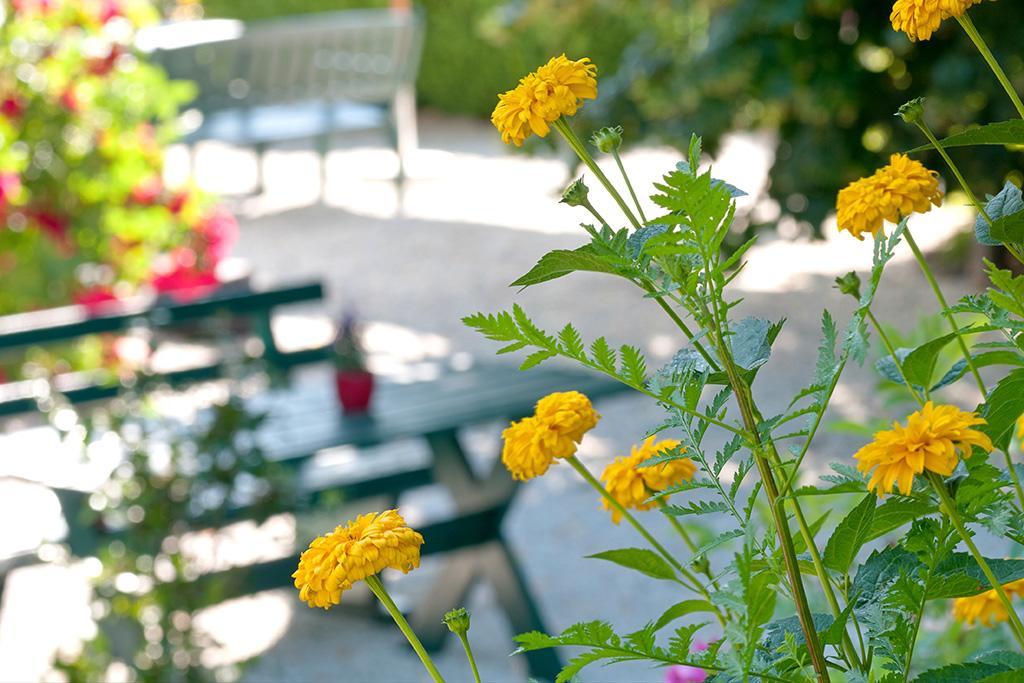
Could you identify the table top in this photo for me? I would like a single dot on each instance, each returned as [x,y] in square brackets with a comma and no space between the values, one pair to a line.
[305,418]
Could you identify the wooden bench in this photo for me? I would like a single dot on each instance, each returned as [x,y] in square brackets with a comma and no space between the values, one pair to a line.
[303,420]
[302,77]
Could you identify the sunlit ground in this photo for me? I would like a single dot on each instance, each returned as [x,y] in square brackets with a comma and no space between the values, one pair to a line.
[411,261]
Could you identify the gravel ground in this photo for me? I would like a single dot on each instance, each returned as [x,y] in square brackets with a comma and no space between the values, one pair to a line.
[412,263]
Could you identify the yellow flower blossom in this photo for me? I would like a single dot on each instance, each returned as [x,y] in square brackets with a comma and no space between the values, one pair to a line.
[351,553]
[985,608]
[552,91]
[1020,429]
[558,425]
[919,19]
[569,413]
[899,189]
[632,485]
[934,439]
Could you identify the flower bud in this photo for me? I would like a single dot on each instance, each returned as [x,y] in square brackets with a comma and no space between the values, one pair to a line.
[576,194]
[849,284]
[457,621]
[607,139]
[912,111]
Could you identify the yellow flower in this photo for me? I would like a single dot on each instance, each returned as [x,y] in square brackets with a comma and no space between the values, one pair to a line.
[632,485]
[986,607]
[1020,429]
[919,19]
[933,439]
[899,189]
[557,426]
[350,553]
[553,90]
[569,413]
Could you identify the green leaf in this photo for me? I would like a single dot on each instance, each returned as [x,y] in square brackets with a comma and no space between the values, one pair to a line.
[681,609]
[561,262]
[879,571]
[895,512]
[850,535]
[1008,202]
[960,576]
[1004,406]
[639,559]
[961,673]
[536,358]
[1008,229]
[1002,133]
[775,632]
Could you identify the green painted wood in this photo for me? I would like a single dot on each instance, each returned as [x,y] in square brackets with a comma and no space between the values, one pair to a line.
[71,322]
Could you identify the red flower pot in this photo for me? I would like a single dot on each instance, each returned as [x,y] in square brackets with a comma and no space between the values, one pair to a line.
[355,389]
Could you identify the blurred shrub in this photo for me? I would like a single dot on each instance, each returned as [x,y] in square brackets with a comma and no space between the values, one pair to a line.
[477,48]
[827,75]
[83,120]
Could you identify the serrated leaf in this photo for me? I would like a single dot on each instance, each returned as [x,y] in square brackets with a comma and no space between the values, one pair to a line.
[1005,404]
[850,535]
[776,632]
[1001,133]
[561,262]
[536,358]
[696,507]
[973,672]
[959,576]
[639,559]
[895,512]
[1007,203]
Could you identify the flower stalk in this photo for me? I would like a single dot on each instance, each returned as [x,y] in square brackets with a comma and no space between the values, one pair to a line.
[972,32]
[378,589]
[949,507]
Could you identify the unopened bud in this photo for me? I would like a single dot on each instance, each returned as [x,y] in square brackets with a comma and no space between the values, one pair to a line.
[457,621]
[849,284]
[912,111]
[607,139]
[576,194]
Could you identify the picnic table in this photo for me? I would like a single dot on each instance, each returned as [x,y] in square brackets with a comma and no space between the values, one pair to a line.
[303,422]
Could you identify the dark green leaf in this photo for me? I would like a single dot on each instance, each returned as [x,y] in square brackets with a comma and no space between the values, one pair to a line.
[1006,203]
[775,632]
[850,535]
[1004,406]
[960,673]
[681,609]
[895,512]
[1002,133]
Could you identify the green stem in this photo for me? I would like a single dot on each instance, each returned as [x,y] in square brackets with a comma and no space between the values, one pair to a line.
[892,353]
[953,167]
[950,508]
[377,587]
[469,655]
[681,324]
[928,275]
[581,151]
[986,53]
[703,564]
[600,219]
[654,543]
[629,185]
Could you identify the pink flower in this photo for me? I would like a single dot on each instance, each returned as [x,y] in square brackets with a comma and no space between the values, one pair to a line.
[183,280]
[69,100]
[10,186]
[108,10]
[12,107]
[53,225]
[219,232]
[147,191]
[95,299]
[682,673]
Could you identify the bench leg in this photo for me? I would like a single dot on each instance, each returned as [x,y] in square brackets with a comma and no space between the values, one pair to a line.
[496,564]
[403,113]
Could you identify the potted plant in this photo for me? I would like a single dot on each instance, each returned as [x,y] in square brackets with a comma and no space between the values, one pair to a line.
[351,378]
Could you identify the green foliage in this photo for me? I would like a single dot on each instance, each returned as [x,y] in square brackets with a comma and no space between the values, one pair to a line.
[83,211]
[1004,133]
[850,535]
[639,559]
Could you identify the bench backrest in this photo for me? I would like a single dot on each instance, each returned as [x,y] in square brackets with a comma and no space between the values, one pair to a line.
[359,55]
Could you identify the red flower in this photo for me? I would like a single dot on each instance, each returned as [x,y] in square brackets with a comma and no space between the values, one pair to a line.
[148,191]
[53,225]
[177,201]
[12,107]
[219,231]
[95,299]
[101,66]
[69,100]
